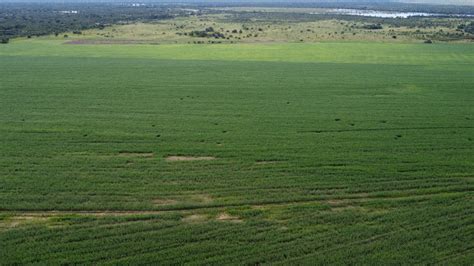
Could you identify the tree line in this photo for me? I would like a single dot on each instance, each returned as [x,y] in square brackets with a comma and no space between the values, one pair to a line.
[28,20]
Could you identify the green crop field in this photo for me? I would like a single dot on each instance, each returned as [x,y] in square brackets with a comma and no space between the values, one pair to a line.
[323,153]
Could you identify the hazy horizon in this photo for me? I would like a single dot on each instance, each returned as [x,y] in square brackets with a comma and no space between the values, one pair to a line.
[442,2]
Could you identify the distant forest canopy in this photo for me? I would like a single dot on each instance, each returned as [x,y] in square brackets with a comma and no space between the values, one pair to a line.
[36,19]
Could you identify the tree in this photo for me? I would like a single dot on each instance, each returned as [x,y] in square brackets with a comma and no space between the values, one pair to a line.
[373,27]
[5,40]
[469,28]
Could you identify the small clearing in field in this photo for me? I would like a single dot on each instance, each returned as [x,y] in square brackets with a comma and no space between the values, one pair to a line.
[194,218]
[44,216]
[228,218]
[337,202]
[349,208]
[188,158]
[338,205]
[164,202]
[266,162]
[202,198]
[136,154]
[23,219]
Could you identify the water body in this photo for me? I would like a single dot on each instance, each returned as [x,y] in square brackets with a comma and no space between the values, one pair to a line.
[389,14]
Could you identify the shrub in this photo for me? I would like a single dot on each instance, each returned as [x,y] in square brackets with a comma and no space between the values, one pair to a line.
[206,34]
[373,27]
[469,28]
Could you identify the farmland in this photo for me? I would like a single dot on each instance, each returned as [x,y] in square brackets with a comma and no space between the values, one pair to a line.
[335,152]
[231,134]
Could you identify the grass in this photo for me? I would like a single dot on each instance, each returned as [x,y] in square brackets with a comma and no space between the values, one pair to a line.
[324,153]
[268,27]
[327,52]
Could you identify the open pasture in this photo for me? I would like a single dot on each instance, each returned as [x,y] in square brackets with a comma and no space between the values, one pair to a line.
[272,27]
[228,154]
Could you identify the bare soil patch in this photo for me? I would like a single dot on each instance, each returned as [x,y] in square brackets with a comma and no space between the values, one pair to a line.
[347,208]
[137,154]
[19,220]
[164,202]
[266,162]
[116,213]
[225,217]
[202,198]
[337,202]
[44,216]
[184,199]
[188,158]
[194,218]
